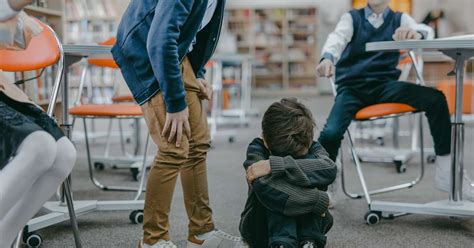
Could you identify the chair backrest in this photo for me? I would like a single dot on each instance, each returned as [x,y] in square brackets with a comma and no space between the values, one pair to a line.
[43,51]
[107,62]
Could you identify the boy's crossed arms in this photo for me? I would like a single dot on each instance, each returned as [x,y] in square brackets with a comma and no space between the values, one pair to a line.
[290,186]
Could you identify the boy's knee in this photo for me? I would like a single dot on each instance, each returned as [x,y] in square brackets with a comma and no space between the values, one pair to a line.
[172,155]
[331,135]
[440,99]
[198,151]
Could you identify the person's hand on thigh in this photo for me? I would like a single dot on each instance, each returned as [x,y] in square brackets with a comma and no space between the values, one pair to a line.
[174,125]
[206,89]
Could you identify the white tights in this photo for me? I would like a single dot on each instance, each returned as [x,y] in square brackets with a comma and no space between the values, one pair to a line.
[30,179]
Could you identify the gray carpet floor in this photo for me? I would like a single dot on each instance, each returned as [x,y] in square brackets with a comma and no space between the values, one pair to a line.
[228,193]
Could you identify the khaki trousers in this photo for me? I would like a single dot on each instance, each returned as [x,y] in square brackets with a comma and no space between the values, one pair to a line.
[188,160]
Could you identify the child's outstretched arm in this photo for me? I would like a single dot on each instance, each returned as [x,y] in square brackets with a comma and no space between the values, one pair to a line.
[410,30]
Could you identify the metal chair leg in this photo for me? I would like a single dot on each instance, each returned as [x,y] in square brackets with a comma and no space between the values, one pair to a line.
[359,169]
[367,193]
[72,213]
[343,181]
[91,169]
[142,178]
[18,240]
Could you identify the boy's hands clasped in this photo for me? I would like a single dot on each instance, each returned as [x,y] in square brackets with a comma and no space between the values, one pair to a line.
[258,169]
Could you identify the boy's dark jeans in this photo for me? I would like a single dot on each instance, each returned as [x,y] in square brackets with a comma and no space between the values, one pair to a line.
[354,96]
[290,231]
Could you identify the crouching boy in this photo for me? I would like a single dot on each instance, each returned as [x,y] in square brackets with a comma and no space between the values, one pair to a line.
[288,174]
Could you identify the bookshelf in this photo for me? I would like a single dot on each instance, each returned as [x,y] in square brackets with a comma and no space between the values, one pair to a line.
[50,12]
[283,42]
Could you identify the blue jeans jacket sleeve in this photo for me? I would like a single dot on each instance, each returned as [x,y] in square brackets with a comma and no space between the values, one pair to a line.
[162,46]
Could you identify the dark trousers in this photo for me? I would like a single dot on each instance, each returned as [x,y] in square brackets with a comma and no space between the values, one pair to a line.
[351,99]
[291,231]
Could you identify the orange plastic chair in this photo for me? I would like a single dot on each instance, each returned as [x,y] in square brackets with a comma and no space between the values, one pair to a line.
[448,87]
[377,112]
[113,111]
[44,50]
[110,63]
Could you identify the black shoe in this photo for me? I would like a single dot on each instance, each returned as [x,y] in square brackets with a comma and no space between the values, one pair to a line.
[308,244]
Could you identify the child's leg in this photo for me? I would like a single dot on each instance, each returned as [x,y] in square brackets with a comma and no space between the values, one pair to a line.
[426,99]
[312,227]
[32,199]
[281,230]
[345,107]
[433,103]
[34,157]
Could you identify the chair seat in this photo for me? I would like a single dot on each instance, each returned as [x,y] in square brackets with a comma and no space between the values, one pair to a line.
[107,110]
[124,98]
[383,109]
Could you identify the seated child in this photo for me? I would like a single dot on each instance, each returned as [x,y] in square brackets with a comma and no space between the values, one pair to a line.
[366,78]
[287,173]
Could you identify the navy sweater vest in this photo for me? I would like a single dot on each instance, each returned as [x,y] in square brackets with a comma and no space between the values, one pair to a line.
[358,66]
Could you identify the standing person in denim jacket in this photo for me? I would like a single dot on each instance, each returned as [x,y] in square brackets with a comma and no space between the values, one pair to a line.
[162,48]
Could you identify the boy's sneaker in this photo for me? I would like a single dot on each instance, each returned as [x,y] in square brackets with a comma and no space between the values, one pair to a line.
[160,244]
[216,239]
[308,244]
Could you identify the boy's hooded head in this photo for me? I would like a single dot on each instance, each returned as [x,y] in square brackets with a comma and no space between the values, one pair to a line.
[288,128]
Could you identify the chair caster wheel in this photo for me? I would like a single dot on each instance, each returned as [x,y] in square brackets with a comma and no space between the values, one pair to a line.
[231,139]
[99,166]
[372,217]
[32,240]
[135,173]
[401,167]
[431,159]
[136,216]
[380,141]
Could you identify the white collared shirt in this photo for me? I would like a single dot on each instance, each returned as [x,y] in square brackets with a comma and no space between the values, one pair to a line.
[342,35]
[211,8]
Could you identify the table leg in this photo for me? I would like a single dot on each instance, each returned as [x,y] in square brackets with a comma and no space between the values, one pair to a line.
[457,140]
[67,191]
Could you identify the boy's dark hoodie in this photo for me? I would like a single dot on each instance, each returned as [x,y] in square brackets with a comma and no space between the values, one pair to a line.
[295,187]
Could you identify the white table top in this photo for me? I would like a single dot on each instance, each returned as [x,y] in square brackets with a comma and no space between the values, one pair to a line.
[87,50]
[231,57]
[438,44]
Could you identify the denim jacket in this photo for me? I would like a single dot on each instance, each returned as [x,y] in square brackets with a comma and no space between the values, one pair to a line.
[152,40]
